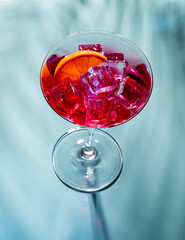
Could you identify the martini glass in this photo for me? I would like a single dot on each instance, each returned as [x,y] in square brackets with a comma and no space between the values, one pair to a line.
[104,94]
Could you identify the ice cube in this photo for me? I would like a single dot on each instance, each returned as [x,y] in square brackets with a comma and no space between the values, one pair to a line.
[92,47]
[66,97]
[117,68]
[99,83]
[142,69]
[121,85]
[140,74]
[98,112]
[78,116]
[119,114]
[116,62]
[134,95]
[114,57]
[123,101]
[52,62]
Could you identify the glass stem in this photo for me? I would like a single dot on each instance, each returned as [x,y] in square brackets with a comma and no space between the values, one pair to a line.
[88,144]
[88,152]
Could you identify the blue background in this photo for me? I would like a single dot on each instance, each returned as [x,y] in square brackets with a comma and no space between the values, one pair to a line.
[148,200]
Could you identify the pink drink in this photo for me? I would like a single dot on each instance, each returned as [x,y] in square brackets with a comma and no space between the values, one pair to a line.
[105,96]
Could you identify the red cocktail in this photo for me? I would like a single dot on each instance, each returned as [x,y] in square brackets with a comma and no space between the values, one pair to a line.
[104,95]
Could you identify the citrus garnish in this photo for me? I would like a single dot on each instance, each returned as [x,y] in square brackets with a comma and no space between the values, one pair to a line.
[77,63]
[47,80]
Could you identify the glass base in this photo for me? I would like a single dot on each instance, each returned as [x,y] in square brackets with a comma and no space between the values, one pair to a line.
[87,170]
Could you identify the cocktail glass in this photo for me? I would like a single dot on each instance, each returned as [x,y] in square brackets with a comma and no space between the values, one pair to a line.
[105,94]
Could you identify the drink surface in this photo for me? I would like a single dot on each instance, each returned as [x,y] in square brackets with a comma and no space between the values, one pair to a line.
[106,92]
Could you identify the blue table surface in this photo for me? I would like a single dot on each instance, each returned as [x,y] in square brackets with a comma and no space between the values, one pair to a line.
[148,200]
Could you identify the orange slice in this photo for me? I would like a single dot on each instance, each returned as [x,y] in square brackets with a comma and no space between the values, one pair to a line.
[77,63]
[47,80]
